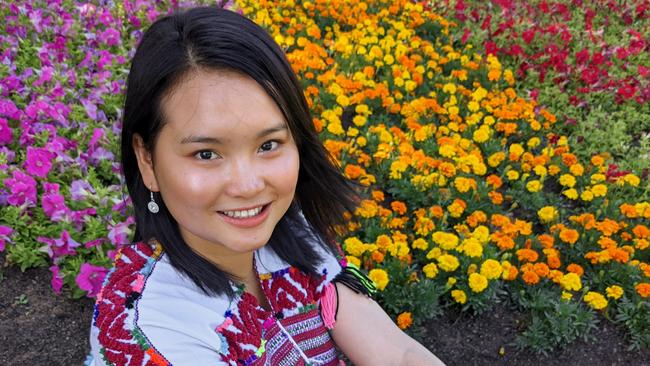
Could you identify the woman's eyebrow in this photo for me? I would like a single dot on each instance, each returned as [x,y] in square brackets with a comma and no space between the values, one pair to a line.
[280,127]
[215,140]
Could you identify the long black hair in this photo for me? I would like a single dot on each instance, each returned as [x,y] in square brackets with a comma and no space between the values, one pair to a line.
[211,38]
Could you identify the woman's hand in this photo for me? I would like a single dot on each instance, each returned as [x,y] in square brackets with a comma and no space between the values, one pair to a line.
[367,335]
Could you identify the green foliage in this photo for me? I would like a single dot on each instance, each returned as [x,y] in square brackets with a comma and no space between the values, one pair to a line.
[554,323]
[636,318]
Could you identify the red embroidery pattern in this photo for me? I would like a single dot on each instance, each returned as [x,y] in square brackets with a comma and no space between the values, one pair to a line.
[258,337]
[123,344]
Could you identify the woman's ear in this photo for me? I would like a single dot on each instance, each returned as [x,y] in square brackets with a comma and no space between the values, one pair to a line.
[145,163]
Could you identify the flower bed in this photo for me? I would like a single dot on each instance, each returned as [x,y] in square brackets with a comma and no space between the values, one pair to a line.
[587,60]
[472,194]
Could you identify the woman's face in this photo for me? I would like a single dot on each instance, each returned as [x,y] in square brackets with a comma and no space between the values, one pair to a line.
[225,163]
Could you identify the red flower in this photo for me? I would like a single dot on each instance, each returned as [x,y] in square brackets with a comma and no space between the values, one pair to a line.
[528,35]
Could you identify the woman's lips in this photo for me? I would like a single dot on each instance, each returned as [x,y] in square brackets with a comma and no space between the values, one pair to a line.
[247,222]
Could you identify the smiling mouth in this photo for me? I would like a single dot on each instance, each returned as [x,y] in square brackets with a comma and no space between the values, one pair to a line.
[244,214]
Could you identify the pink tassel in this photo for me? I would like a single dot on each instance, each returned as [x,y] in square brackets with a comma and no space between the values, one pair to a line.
[328,304]
[226,323]
[268,323]
[139,283]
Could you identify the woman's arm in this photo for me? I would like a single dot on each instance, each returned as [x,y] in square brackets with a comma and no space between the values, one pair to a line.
[367,336]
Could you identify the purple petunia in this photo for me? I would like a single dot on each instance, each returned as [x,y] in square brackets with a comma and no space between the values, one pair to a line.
[60,247]
[38,162]
[5,232]
[119,233]
[22,187]
[80,189]
[90,278]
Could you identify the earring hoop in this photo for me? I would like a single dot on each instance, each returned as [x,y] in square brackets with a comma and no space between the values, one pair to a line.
[152,206]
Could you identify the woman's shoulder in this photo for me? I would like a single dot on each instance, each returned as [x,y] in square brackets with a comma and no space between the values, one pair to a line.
[146,311]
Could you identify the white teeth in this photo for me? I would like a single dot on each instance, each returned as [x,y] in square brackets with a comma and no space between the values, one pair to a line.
[243,214]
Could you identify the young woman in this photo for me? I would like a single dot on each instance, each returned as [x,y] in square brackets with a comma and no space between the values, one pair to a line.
[235,199]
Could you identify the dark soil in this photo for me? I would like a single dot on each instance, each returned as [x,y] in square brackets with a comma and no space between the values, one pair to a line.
[39,328]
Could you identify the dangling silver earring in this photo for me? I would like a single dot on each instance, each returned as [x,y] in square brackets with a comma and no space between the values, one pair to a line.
[152,206]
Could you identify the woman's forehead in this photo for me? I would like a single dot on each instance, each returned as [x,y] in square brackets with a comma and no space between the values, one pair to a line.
[220,102]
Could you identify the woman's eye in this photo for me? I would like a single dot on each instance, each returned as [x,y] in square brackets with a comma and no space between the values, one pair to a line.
[269,146]
[206,155]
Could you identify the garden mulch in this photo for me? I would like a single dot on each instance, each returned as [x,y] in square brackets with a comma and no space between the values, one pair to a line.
[39,328]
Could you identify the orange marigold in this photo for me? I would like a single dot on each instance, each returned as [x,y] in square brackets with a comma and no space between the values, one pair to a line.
[404,320]
[530,277]
[377,256]
[643,289]
[541,269]
[495,197]
[628,210]
[398,207]
[575,268]
[554,262]
[641,231]
[546,240]
[527,255]
[569,236]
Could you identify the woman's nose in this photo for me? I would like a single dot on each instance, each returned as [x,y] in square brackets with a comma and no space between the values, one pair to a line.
[245,180]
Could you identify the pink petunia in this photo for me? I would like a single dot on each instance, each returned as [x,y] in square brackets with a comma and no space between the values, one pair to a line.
[90,278]
[22,188]
[5,232]
[57,279]
[54,206]
[38,162]
[5,132]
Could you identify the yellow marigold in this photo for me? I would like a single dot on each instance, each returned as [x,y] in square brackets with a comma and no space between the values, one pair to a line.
[577,169]
[567,180]
[354,246]
[459,296]
[599,190]
[481,233]
[512,175]
[566,296]
[481,135]
[434,253]
[569,236]
[472,248]
[495,159]
[430,270]
[595,300]
[445,240]
[420,244]
[477,282]
[448,262]
[595,178]
[547,214]
[615,292]
[643,289]
[404,320]
[353,260]
[379,277]
[587,196]
[457,208]
[571,194]
[534,186]
[491,269]
[571,282]
[463,184]
[632,180]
